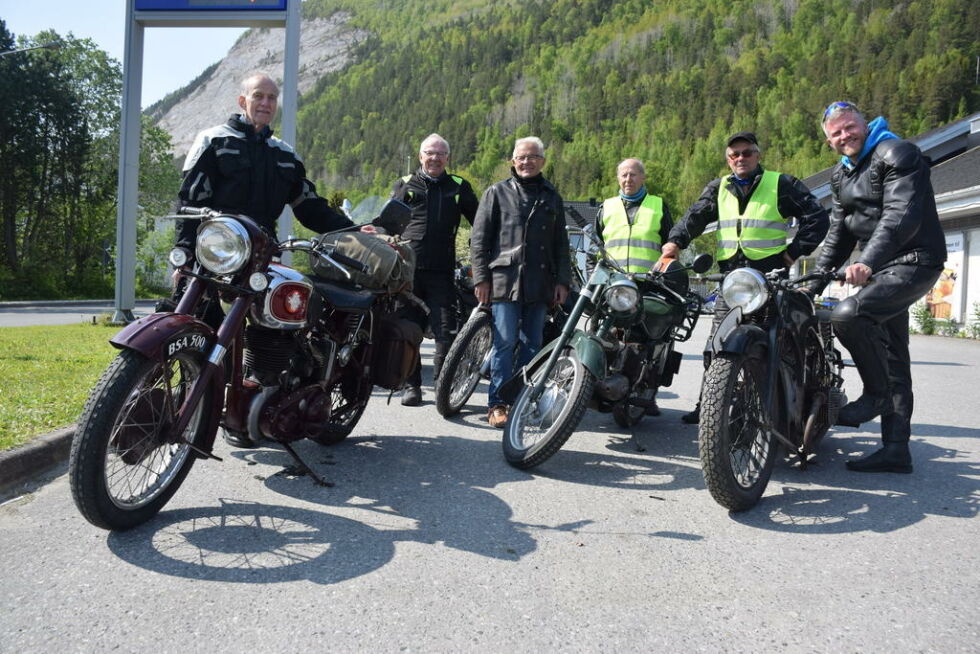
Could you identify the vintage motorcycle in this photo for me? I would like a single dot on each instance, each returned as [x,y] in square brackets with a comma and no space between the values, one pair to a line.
[293,357]
[613,365]
[775,378]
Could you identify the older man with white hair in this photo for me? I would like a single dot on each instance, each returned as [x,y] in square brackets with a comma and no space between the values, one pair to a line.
[521,263]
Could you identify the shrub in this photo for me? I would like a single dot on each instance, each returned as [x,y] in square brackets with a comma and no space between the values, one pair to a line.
[923,318]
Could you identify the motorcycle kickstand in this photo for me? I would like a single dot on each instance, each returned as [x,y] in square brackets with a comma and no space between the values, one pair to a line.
[317,479]
[636,442]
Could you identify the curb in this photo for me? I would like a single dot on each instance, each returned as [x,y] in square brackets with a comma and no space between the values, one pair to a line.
[28,461]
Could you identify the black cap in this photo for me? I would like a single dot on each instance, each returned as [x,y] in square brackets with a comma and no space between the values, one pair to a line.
[743,136]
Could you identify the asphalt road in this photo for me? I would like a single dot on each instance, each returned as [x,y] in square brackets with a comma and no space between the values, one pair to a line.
[430,542]
[24,314]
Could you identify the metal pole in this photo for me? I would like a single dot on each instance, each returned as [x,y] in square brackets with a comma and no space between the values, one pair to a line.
[290,101]
[129,173]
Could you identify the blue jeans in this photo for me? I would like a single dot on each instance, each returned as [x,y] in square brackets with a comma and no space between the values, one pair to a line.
[513,323]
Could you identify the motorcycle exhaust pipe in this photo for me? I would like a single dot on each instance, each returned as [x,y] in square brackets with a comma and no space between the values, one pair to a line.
[613,388]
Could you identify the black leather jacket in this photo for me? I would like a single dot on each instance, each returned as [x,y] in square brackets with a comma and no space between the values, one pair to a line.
[437,206]
[886,206]
[233,168]
[519,242]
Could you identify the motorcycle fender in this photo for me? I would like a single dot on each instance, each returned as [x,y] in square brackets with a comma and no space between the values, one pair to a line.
[160,335]
[589,351]
[739,340]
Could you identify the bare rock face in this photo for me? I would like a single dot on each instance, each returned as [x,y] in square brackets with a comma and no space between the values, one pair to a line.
[325,46]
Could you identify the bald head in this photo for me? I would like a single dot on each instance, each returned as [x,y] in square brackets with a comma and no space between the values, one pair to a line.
[259,99]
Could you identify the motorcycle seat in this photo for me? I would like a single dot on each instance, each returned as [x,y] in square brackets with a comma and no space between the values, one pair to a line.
[344,298]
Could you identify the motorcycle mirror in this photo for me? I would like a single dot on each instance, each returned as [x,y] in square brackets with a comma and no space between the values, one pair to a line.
[702,263]
[394,216]
[346,207]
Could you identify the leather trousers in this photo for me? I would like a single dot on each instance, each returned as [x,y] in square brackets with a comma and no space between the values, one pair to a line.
[874,327]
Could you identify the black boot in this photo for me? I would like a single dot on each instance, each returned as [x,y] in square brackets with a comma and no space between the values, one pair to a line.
[893,457]
[412,396]
[693,417]
[442,349]
[652,408]
[865,408]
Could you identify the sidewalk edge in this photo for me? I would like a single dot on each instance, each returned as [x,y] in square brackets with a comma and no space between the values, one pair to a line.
[26,462]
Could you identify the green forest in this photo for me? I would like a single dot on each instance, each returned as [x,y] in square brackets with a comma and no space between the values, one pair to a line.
[597,80]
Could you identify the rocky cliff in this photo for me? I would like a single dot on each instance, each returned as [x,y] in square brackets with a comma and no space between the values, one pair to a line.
[325,46]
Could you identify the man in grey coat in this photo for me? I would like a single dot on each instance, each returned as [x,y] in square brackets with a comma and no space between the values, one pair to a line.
[521,263]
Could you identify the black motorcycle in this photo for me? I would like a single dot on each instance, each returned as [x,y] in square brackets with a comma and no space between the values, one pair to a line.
[775,378]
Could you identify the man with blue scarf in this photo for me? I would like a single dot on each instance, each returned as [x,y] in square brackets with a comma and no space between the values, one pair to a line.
[633,226]
[883,204]
[754,208]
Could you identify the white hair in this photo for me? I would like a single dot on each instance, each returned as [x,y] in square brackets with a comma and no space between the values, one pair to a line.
[632,160]
[247,85]
[534,140]
[434,137]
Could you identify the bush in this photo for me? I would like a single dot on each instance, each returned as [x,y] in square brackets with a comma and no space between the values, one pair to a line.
[923,318]
[947,327]
[973,329]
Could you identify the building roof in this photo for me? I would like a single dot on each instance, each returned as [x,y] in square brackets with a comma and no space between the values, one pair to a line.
[960,172]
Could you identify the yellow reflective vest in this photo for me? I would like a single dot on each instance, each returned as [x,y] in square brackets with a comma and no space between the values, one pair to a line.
[636,247]
[760,232]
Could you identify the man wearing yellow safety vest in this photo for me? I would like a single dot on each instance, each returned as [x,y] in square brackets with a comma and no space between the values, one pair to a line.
[633,226]
[753,208]
[438,200]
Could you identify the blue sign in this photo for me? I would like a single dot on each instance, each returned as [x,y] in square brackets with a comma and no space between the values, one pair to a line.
[210,5]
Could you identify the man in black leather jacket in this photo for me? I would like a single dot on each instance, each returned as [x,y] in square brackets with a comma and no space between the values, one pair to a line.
[438,200]
[519,250]
[240,167]
[883,204]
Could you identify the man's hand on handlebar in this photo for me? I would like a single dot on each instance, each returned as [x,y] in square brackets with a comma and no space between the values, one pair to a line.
[857,274]
[668,254]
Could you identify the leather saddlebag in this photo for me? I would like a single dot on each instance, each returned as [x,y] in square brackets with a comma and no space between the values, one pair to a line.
[396,352]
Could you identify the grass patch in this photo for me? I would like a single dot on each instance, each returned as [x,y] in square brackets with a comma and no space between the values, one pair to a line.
[46,374]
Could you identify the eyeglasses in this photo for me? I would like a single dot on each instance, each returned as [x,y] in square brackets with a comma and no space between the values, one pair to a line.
[435,153]
[522,158]
[735,154]
[837,107]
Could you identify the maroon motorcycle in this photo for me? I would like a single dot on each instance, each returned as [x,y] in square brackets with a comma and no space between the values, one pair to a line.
[291,357]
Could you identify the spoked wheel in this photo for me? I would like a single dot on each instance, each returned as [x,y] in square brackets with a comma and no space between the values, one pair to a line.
[536,430]
[124,463]
[460,372]
[737,451]
[349,395]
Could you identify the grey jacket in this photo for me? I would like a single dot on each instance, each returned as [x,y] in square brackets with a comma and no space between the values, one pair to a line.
[519,242]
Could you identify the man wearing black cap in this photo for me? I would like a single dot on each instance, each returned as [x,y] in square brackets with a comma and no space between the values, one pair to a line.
[753,208]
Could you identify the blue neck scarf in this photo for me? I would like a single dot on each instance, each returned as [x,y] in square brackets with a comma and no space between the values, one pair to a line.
[877,132]
[636,197]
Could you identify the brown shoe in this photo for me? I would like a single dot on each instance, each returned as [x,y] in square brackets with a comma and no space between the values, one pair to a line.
[497,416]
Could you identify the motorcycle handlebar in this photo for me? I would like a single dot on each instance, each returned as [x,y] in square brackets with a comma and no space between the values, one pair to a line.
[350,263]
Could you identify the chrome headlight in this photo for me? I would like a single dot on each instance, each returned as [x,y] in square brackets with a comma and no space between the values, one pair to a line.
[745,288]
[223,246]
[622,296]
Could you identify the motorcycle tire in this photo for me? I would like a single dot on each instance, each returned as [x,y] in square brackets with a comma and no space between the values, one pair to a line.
[349,395]
[737,453]
[535,432]
[121,469]
[460,372]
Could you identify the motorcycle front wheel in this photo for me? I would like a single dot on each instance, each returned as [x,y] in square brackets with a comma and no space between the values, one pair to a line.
[737,451]
[460,372]
[124,464]
[535,430]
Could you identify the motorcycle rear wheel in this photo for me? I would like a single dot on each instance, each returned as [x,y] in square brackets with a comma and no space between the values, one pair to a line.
[737,452]
[536,431]
[122,469]
[349,395]
[460,372]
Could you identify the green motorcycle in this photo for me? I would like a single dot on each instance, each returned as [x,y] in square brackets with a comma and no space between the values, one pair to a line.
[615,364]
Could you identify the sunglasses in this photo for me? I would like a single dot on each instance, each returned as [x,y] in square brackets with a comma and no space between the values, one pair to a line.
[837,105]
[735,154]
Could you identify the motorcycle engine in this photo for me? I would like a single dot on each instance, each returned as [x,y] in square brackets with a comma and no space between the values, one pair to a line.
[268,352]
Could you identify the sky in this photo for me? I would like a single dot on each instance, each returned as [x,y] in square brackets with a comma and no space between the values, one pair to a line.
[172,56]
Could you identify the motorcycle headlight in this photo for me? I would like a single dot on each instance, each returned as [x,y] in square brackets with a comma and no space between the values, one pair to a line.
[622,297]
[745,288]
[223,246]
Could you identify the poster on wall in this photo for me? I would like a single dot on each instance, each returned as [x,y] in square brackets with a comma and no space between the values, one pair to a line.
[944,298]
